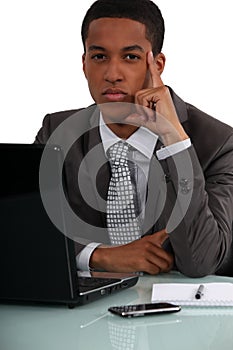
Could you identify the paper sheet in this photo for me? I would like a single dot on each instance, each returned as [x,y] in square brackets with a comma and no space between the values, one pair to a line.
[214,294]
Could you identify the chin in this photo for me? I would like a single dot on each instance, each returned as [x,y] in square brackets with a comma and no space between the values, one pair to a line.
[116,112]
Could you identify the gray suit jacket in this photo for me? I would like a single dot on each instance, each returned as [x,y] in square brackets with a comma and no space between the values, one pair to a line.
[191,193]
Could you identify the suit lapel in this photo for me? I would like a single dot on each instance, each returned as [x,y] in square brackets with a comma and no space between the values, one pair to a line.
[97,165]
[180,106]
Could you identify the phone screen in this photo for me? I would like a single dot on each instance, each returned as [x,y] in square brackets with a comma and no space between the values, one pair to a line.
[144,309]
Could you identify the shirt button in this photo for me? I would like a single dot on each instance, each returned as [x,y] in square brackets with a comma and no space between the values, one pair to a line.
[167,177]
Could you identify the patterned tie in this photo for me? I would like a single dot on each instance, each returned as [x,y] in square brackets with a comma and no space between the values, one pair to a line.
[122,209]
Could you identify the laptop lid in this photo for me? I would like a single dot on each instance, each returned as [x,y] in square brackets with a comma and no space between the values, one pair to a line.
[37,261]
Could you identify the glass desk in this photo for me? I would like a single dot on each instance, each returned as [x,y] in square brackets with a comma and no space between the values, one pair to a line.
[92,327]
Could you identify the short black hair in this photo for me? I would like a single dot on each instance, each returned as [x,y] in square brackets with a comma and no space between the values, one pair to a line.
[143,11]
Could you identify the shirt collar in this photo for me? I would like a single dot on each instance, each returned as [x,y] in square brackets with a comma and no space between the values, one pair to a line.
[142,139]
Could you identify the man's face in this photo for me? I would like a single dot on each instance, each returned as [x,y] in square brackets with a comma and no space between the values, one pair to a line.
[115,63]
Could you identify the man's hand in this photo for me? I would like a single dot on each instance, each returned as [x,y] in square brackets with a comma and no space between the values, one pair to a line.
[145,255]
[158,111]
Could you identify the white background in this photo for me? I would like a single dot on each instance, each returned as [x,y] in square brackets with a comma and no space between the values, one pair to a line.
[41,49]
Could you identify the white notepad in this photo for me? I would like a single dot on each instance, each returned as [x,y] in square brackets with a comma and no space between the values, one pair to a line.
[214,294]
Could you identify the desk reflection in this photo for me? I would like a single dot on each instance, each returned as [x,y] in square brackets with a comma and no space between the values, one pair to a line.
[91,326]
[188,330]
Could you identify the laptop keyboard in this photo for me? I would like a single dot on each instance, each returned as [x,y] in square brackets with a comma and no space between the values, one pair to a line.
[89,283]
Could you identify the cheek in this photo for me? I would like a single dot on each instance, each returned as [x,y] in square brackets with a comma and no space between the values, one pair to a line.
[138,73]
[94,76]
[91,77]
[92,87]
[139,81]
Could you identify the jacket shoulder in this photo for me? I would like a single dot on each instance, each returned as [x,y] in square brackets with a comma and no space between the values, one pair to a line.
[208,134]
[58,117]
[51,121]
[206,123]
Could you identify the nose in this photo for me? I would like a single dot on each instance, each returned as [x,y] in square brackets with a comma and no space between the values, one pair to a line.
[113,72]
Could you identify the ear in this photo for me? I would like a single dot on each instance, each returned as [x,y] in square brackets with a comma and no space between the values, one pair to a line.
[84,64]
[160,60]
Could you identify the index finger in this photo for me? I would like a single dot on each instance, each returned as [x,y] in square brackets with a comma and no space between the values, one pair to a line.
[154,73]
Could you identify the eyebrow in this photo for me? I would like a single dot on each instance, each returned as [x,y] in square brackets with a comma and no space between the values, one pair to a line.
[124,49]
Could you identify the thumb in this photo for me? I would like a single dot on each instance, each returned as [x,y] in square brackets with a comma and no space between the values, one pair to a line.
[161,236]
[141,116]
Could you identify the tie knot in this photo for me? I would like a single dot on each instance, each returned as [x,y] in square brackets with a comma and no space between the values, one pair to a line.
[118,152]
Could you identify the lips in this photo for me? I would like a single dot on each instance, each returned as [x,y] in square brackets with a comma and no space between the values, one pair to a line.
[114,95]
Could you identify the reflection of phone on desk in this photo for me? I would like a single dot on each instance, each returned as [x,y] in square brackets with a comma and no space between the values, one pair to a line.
[144,309]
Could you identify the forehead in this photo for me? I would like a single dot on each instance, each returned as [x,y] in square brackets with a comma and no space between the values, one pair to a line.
[118,32]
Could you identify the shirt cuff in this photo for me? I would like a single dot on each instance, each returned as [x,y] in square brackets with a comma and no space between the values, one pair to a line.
[171,150]
[83,258]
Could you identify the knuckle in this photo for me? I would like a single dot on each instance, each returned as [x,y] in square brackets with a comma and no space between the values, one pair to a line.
[147,245]
[166,91]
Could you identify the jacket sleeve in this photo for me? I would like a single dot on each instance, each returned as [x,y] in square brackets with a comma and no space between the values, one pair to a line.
[200,223]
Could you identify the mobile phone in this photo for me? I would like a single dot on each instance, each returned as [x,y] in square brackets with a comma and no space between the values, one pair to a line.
[144,309]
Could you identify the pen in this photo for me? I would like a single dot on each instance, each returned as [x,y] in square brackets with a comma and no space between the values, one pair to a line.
[199,292]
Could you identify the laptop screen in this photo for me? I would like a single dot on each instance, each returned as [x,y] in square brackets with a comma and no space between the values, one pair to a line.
[37,261]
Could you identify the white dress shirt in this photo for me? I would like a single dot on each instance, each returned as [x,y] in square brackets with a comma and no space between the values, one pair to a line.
[143,142]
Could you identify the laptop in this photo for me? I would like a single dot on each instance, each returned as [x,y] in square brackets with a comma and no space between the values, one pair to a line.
[37,261]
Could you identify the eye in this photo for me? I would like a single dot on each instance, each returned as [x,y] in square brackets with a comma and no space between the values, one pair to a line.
[132,57]
[98,57]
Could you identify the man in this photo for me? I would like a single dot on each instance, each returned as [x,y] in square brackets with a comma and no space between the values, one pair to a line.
[183,158]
